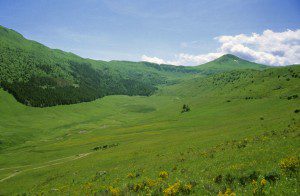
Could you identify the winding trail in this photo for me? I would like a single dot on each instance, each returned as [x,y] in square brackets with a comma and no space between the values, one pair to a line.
[10,176]
[16,167]
[46,164]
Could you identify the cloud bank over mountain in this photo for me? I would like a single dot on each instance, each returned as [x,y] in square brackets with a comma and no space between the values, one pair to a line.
[271,48]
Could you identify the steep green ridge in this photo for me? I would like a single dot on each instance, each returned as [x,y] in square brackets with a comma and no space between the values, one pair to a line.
[39,76]
[228,62]
[242,124]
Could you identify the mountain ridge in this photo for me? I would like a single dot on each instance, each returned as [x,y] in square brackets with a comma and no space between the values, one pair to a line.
[2,28]
[40,76]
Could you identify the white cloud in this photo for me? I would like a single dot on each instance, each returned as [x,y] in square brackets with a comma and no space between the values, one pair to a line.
[188,59]
[158,60]
[271,48]
[153,59]
[184,59]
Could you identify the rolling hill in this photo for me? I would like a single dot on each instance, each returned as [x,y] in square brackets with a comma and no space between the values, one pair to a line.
[228,62]
[39,76]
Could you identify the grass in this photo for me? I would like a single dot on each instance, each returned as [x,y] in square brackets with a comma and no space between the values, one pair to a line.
[50,150]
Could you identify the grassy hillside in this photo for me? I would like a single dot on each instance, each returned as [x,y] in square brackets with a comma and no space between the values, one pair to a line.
[39,76]
[241,135]
[228,62]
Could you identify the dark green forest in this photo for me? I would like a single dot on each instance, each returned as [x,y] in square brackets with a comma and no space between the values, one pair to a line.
[89,85]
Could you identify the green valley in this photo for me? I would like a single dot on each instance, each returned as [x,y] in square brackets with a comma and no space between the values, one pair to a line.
[119,128]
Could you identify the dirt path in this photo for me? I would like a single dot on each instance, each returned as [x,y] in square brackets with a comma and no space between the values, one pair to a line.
[10,176]
[46,164]
[16,167]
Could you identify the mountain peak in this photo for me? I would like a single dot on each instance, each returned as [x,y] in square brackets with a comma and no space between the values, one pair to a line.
[229,62]
[228,57]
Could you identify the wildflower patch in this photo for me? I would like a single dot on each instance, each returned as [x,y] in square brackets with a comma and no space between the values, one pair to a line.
[290,164]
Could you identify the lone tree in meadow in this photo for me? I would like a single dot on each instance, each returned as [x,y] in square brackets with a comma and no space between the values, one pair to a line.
[185,108]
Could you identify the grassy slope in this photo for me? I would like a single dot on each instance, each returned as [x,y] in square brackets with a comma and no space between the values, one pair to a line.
[42,54]
[228,63]
[154,136]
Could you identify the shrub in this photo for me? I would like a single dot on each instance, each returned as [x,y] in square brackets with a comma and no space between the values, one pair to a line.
[242,144]
[292,97]
[218,179]
[114,191]
[150,183]
[254,175]
[263,182]
[290,164]
[163,174]
[174,168]
[172,189]
[187,188]
[137,187]
[243,180]
[229,179]
[272,177]
[99,174]
[259,188]
[185,108]
[228,192]
[130,175]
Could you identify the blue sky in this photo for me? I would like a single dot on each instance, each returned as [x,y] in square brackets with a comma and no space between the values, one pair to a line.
[166,31]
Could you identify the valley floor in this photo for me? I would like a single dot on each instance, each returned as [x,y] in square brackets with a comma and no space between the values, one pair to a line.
[124,145]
